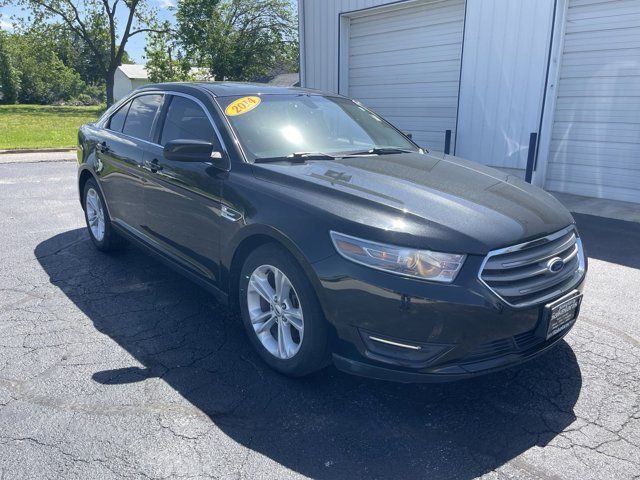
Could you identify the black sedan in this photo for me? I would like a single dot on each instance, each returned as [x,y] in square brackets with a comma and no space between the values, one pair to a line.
[336,237]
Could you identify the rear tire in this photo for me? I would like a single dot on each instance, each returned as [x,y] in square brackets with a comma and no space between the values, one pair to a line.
[101,231]
[281,313]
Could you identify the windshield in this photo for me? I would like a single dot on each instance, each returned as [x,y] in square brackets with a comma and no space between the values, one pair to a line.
[280,125]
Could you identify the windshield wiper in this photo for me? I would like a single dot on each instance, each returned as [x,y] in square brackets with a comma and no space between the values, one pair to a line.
[297,157]
[382,151]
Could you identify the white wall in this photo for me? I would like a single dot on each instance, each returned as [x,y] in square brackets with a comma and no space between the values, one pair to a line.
[122,86]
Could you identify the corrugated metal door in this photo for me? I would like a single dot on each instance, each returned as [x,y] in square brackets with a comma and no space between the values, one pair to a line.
[404,63]
[506,49]
[595,145]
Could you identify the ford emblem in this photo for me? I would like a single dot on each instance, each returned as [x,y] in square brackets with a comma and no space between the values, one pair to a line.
[555,265]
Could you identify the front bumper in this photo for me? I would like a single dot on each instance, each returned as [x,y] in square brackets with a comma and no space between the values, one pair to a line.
[425,332]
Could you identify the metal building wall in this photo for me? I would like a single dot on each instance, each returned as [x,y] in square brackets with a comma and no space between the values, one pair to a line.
[595,136]
[503,69]
[321,39]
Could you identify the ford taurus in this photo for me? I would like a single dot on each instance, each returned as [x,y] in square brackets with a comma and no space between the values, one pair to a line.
[334,235]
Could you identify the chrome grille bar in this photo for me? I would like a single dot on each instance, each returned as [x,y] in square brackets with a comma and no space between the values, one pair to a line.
[522,275]
[529,256]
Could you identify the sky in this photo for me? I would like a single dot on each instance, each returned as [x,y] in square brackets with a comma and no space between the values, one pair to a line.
[135,45]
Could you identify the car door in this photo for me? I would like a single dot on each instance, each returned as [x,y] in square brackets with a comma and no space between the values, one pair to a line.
[182,199]
[120,156]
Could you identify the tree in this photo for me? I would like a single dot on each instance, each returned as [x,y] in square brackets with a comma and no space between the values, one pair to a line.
[95,23]
[8,75]
[74,52]
[165,61]
[238,39]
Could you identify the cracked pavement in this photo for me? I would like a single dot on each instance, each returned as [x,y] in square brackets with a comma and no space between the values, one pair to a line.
[114,366]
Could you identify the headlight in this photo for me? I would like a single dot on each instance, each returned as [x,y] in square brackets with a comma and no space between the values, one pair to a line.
[424,264]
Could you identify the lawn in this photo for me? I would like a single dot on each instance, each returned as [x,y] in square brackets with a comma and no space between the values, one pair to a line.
[42,126]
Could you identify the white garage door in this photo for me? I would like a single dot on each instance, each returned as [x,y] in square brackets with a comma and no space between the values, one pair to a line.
[595,148]
[405,64]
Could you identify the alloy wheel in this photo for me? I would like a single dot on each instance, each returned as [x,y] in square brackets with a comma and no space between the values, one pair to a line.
[95,214]
[275,312]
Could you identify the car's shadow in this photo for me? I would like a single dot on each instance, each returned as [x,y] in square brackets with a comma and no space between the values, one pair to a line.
[329,425]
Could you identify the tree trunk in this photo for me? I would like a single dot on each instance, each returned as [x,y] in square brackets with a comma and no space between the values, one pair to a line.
[110,81]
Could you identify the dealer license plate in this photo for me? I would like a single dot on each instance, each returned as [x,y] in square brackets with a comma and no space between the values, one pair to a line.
[562,313]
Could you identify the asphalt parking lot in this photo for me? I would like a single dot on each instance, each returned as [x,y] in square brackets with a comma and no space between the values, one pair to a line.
[114,366]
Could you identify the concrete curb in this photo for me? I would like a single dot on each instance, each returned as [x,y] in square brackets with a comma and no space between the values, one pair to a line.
[39,156]
[45,160]
[36,150]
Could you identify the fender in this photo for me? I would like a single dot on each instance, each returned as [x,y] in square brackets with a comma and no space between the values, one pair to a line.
[85,167]
[256,230]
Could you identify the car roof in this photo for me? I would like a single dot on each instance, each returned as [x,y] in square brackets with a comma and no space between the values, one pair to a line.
[227,89]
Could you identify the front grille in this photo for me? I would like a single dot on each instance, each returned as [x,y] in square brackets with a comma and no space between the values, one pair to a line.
[520,275]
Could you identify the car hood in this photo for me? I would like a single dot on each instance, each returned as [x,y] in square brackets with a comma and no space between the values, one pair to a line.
[427,200]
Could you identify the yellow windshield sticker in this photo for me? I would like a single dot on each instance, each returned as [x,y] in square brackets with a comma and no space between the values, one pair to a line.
[242,105]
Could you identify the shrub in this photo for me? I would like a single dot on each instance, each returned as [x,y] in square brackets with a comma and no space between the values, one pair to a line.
[42,76]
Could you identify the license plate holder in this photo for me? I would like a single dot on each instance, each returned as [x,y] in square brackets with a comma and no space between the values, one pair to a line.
[562,313]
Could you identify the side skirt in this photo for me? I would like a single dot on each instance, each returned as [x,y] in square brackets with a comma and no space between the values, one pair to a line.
[220,296]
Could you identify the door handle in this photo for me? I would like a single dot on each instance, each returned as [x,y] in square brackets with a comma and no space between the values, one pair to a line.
[153,166]
[102,147]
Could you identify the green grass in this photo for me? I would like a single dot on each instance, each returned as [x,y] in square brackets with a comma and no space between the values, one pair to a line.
[42,126]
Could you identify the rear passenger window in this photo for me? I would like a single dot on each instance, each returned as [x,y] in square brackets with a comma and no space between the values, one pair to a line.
[186,120]
[141,115]
[116,121]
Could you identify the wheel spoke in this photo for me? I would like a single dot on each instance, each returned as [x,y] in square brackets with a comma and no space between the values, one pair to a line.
[281,282]
[289,345]
[294,317]
[91,200]
[262,287]
[260,316]
[266,325]
[282,352]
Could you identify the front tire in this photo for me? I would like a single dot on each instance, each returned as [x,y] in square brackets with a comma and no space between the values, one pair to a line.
[281,313]
[99,224]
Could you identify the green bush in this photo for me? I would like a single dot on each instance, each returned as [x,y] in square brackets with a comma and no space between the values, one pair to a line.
[42,77]
[96,92]
[45,79]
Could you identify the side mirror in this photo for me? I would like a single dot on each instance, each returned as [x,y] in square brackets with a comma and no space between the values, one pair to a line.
[190,151]
[408,135]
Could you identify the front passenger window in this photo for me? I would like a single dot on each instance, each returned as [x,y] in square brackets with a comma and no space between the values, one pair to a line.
[186,120]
